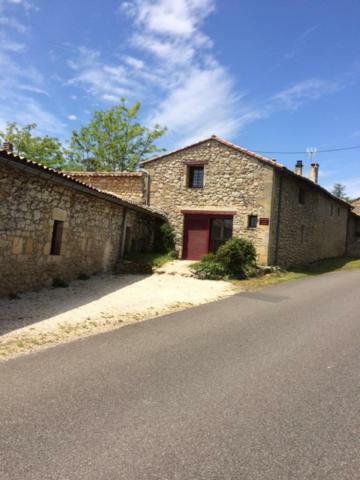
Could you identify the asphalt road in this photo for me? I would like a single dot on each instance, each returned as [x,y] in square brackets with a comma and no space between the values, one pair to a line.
[263,385]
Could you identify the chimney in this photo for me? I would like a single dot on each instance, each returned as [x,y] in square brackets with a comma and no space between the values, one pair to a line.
[8,147]
[299,167]
[314,172]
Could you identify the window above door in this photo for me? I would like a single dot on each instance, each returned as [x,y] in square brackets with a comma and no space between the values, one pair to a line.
[196,176]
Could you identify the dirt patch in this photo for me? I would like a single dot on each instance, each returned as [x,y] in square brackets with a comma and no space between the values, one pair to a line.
[55,315]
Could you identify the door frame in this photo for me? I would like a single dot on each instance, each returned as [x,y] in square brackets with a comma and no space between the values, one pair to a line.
[202,214]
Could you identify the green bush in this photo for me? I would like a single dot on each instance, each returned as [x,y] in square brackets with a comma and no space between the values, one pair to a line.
[209,269]
[238,255]
[235,259]
[164,239]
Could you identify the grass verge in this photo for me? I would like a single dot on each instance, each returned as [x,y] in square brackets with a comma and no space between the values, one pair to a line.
[316,268]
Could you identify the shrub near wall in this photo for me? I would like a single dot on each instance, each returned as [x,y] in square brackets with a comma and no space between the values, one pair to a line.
[235,259]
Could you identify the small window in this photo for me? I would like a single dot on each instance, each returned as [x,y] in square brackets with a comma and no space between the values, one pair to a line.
[196,177]
[331,210]
[252,221]
[56,237]
[302,194]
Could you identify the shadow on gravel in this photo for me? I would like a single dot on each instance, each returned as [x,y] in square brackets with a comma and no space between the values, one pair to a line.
[34,306]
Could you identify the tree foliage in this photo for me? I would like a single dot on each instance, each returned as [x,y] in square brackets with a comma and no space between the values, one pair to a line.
[114,140]
[45,150]
[339,190]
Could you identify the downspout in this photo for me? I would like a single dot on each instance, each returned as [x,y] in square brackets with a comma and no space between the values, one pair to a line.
[278,221]
[146,186]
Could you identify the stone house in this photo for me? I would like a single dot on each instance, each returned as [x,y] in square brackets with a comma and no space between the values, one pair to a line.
[54,226]
[213,189]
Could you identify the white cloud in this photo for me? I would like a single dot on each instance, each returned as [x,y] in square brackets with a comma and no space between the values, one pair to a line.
[311,89]
[171,64]
[170,17]
[15,105]
[33,89]
[107,82]
[196,95]
[72,117]
[134,62]
[203,104]
[25,4]
[12,23]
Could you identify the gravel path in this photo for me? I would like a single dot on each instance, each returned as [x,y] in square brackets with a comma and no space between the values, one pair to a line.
[101,303]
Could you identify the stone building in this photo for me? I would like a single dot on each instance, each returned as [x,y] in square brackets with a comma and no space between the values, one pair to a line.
[213,189]
[129,185]
[55,227]
[356,204]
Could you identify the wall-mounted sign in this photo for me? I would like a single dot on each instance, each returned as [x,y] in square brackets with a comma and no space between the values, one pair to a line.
[264,221]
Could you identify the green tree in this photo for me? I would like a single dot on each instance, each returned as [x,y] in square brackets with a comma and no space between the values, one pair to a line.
[114,140]
[339,190]
[45,150]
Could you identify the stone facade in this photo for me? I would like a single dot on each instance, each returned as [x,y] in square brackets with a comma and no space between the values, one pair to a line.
[353,237]
[306,232]
[96,227]
[233,181]
[356,204]
[129,185]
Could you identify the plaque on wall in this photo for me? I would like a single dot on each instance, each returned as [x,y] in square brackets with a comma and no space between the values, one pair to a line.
[264,221]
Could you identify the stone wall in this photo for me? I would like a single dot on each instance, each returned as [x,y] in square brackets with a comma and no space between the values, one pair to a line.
[93,229]
[311,231]
[128,185]
[356,205]
[232,181]
[353,237]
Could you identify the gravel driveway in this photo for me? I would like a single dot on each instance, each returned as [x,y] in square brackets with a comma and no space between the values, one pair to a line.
[103,302]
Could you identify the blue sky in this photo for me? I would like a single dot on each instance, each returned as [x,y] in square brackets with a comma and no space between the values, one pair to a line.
[269,75]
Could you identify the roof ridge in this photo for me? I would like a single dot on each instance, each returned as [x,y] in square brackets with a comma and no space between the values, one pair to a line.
[220,140]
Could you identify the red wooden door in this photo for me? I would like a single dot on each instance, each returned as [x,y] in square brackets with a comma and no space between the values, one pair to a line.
[196,236]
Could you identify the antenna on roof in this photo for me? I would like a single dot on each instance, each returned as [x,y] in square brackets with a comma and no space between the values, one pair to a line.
[311,151]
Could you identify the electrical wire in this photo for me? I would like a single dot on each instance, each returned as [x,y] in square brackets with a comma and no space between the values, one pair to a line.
[340,149]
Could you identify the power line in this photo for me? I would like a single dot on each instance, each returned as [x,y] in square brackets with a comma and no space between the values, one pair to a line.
[340,149]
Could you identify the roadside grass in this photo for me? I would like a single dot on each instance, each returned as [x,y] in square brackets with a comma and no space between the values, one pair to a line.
[156,260]
[316,268]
